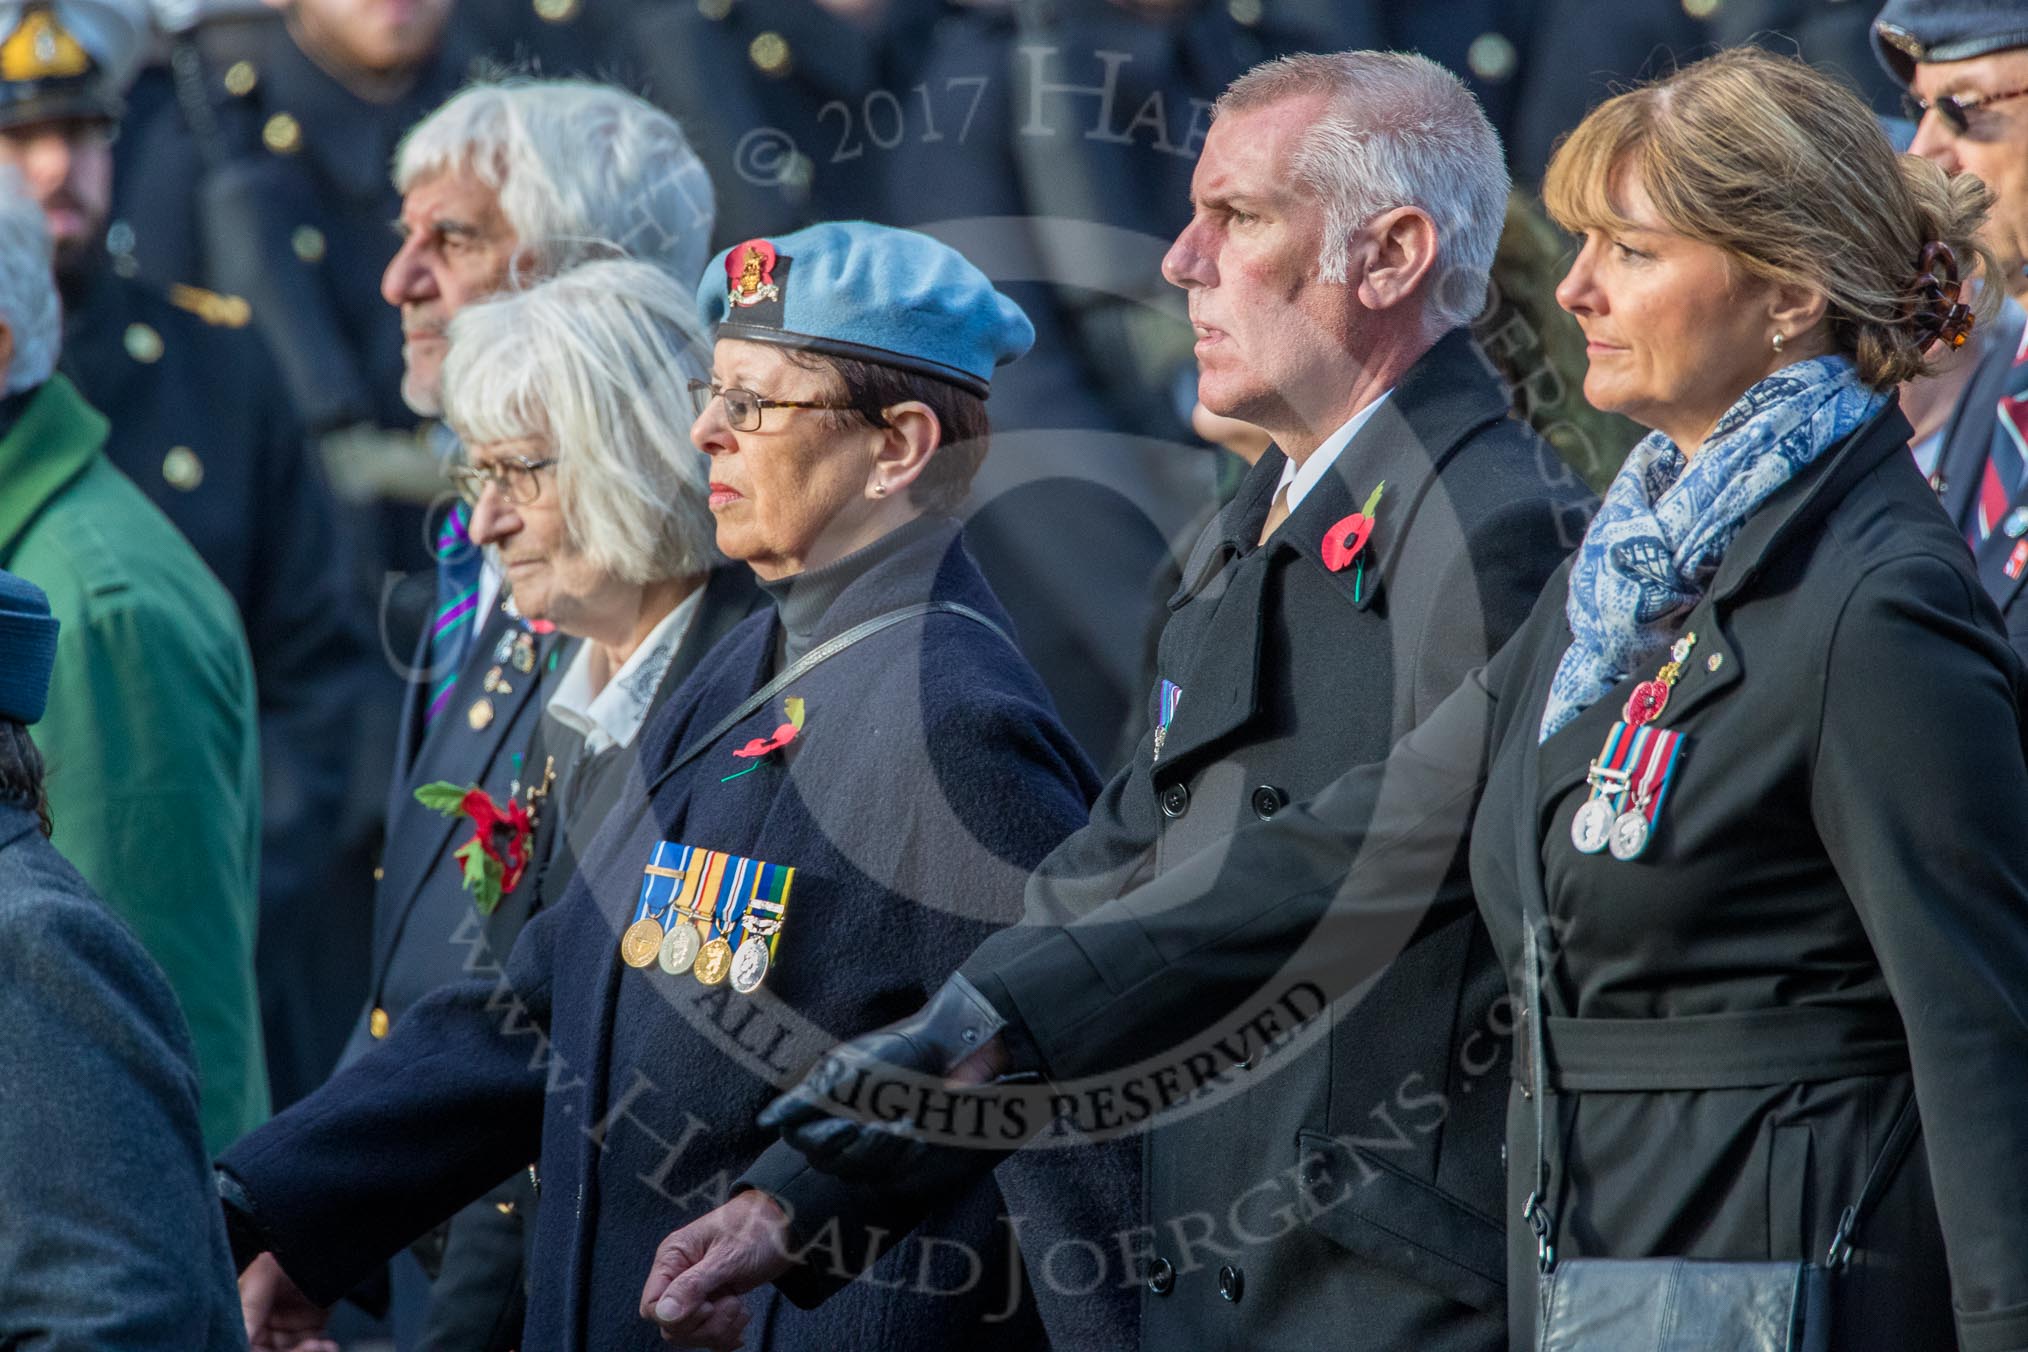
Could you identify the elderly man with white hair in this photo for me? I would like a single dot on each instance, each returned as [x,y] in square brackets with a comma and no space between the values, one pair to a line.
[508,182]
[154,773]
[1317,1171]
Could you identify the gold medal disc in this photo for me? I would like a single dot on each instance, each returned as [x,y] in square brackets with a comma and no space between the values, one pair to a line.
[714,960]
[641,942]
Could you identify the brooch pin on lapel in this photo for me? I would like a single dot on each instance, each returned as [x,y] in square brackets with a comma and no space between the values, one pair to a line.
[756,749]
[1345,542]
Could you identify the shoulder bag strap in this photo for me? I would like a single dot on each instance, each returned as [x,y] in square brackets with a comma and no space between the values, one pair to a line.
[1899,1139]
[823,652]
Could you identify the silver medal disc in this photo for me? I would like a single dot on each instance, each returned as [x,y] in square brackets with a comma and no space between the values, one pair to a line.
[1630,835]
[1591,827]
[679,947]
[750,965]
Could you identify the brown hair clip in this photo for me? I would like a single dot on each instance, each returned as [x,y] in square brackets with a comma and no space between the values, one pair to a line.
[1939,314]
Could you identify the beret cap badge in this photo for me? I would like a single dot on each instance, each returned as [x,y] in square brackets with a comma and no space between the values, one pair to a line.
[750,271]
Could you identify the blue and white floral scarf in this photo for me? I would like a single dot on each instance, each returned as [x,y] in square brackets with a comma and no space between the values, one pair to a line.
[1663,529]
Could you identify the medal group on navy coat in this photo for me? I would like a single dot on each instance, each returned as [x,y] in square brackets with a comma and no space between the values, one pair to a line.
[1218,674]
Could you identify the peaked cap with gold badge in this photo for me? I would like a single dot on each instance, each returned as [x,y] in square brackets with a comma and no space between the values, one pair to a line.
[65,59]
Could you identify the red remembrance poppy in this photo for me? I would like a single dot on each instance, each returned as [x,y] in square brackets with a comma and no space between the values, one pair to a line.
[1347,537]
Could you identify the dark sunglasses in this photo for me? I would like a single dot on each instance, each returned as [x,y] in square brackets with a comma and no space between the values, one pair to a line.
[1955,109]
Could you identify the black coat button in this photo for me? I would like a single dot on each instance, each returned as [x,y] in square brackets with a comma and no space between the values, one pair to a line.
[1231,1283]
[1161,1277]
[1267,800]
[1175,801]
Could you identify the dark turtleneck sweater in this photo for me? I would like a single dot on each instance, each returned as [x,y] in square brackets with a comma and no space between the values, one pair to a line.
[802,599]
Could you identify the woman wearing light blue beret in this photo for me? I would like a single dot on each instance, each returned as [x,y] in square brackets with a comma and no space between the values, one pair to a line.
[843,799]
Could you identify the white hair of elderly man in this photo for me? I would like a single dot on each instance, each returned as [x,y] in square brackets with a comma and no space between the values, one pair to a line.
[583,170]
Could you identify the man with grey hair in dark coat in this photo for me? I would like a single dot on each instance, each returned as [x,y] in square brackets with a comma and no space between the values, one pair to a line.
[112,1237]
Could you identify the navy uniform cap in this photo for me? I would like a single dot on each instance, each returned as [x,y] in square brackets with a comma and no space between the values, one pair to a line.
[63,59]
[27,649]
[1927,31]
[872,292]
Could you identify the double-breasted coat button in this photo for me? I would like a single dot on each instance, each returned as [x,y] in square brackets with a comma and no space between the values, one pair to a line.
[1231,1283]
[1161,1276]
[1175,800]
[1267,800]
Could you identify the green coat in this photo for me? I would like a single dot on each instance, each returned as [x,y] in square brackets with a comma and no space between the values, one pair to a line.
[154,776]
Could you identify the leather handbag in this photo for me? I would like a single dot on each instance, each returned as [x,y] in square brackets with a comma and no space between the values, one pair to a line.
[1680,1304]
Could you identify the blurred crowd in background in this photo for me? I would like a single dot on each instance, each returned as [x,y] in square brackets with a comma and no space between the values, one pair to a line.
[1052,141]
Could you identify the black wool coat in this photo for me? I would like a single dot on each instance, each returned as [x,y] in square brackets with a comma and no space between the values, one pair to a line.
[930,777]
[1289,672]
[1832,913]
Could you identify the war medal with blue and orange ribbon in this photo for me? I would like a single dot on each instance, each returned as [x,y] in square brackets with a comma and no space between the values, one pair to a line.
[712,914]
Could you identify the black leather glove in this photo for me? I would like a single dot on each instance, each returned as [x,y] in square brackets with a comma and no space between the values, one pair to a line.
[836,1117]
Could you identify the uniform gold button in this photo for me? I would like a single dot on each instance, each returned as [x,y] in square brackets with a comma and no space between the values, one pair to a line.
[240,79]
[376,1022]
[282,134]
[505,1208]
[480,714]
[378,873]
[714,10]
[182,469]
[556,11]
[1245,13]
[770,52]
[1714,662]
[143,343]
[308,242]
[1700,9]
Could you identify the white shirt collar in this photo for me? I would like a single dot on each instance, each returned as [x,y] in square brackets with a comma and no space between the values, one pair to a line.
[1300,479]
[613,717]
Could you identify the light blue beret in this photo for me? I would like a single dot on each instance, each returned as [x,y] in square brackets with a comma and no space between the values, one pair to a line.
[27,649]
[872,292]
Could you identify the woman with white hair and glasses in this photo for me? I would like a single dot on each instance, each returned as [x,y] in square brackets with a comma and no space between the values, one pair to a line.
[570,400]
[845,795]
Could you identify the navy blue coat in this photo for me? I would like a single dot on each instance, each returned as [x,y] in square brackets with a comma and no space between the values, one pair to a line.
[425,927]
[931,776]
[111,1238]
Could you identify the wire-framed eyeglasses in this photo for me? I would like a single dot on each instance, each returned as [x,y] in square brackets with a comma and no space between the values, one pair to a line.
[743,407]
[515,477]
